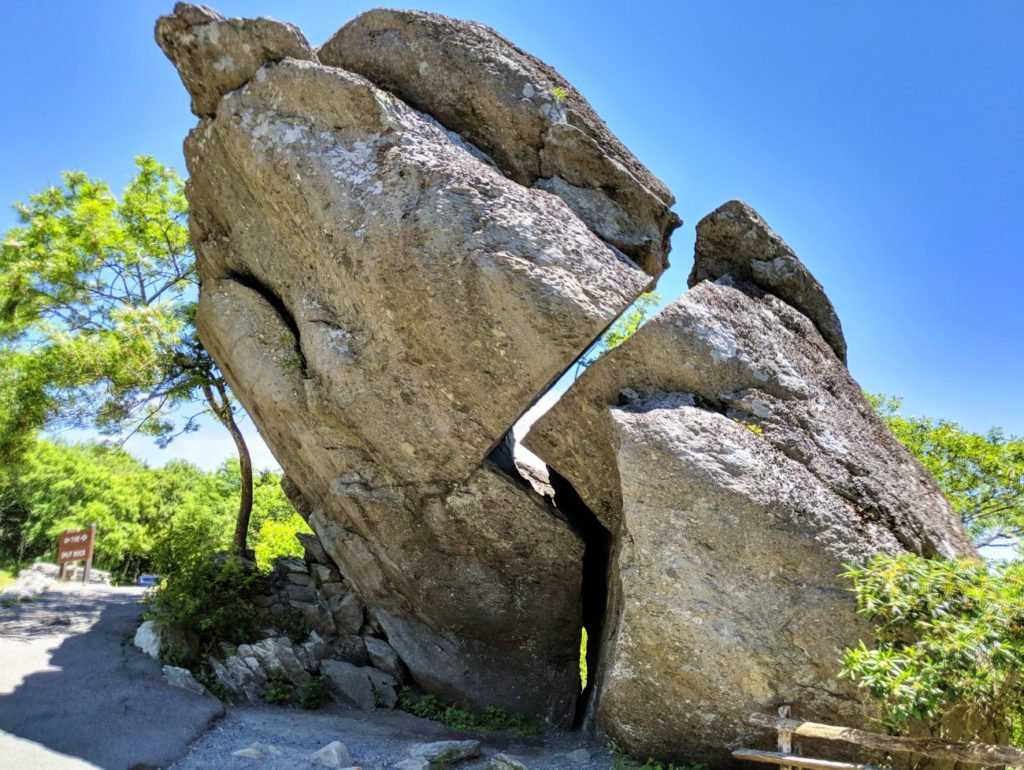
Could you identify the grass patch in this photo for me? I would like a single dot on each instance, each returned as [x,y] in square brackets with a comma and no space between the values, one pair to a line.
[491,719]
[6,578]
[623,761]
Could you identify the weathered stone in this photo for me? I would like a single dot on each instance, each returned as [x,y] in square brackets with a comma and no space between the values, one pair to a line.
[289,566]
[333,590]
[506,762]
[311,544]
[578,757]
[299,594]
[278,654]
[349,684]
[383,656]
[215,55]
[385,687]
[334,754]
[350,648]
[147,638]
[253,751]
[312,651]
[324,574]
[299,578]
[737,467]
[182,677]
[347,611]
[734,240]
[521,112]
[443,753]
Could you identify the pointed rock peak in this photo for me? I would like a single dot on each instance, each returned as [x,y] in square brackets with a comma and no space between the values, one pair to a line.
[734,240]
[215,55]
[538,128]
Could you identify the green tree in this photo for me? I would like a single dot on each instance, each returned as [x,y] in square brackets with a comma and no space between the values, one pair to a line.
[97,306]
[981,474]
[624,327]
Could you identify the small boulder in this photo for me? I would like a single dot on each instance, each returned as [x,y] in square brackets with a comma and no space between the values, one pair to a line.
[347,612]
[334,754]
[505,762]
[182,677]
[383,656]
[147,639]
[254,751]
[443,753]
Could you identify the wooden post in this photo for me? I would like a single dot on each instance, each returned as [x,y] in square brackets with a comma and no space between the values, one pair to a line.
[785,736]
[88,565]
[60,569]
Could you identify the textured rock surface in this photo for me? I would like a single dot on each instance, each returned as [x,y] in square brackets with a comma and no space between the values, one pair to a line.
[734,240]
[531,121]
[737,466]
[756,360]
[386,303]
[215,55]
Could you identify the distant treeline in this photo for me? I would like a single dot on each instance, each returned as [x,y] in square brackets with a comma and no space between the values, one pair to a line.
[149,519]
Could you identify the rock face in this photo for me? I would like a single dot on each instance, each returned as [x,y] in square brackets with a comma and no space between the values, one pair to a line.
[734,240]
[737,467]
[402,240]
[537,128]
[386,302]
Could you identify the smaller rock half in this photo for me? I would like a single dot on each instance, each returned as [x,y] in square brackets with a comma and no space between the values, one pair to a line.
[734,240]
[196,39]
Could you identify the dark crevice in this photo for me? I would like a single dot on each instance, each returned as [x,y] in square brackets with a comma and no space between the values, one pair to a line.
[597,542]
[277,303]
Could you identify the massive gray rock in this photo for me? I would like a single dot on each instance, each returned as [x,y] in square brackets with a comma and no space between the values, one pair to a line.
[385,302]
[734,240]
[737,468]
[521,112]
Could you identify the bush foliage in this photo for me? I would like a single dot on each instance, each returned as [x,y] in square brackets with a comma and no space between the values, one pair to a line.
[949,645]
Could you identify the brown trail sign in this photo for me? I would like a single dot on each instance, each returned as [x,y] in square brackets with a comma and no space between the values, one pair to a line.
[76,546]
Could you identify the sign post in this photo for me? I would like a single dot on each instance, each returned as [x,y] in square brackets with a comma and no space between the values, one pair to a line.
[75,546]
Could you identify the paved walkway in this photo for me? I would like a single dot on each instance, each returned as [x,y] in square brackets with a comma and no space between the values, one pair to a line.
[75,693]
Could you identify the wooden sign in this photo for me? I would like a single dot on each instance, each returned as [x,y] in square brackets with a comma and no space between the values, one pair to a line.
[76,546]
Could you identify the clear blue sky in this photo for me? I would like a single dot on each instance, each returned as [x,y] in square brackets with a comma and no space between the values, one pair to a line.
[884,141]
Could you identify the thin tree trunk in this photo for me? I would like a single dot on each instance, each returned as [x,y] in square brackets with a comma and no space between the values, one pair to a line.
[222,410]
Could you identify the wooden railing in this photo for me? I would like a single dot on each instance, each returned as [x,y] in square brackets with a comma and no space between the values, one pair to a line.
[971,752]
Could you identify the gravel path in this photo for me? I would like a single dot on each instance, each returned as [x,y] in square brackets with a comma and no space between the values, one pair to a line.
[74,692]
[376,740]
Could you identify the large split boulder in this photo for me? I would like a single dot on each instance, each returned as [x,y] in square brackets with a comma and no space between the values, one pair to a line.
[538,129]
[386,302]
[737,467]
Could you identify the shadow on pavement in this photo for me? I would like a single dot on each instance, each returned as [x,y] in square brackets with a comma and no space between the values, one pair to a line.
[99,698]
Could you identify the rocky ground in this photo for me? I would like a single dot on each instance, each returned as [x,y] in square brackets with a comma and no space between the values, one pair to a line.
[376,740]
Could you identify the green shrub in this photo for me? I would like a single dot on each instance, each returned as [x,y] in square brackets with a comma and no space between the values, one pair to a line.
[949,645]
[208,599]
[313,693]
[621,760]
[279,689]
[491,719]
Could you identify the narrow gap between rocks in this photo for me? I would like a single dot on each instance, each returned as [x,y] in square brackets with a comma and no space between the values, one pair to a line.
[597,543]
